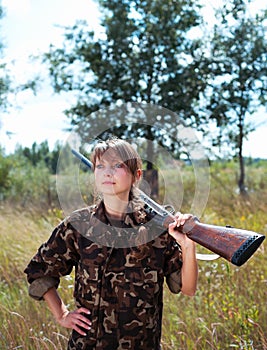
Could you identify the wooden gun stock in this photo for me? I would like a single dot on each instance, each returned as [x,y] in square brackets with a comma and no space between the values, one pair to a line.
[235,245]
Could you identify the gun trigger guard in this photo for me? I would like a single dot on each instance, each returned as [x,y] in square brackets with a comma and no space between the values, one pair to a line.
[169,208]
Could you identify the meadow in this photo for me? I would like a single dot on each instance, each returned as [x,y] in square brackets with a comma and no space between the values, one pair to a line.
[227,312]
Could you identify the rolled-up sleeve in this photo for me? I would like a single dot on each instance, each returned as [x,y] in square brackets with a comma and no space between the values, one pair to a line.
[174,282]
[54,259]
[41,285]
[173,265]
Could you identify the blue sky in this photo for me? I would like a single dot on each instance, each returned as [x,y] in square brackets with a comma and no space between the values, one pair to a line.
[28,28]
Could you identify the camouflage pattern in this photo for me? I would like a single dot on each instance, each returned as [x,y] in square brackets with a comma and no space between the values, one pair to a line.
[124,294]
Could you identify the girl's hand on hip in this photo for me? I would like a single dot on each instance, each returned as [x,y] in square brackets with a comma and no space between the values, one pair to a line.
[76,320]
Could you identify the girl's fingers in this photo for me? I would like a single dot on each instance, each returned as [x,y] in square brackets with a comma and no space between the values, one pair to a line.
[83,310]
[79,326]
[181,218]
[77,321]
[81,320]
[79,330]
[173,224]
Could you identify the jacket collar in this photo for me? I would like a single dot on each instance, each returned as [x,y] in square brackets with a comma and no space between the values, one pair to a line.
[135,215]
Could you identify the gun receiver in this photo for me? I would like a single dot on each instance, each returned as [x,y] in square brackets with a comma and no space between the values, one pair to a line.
[232,244]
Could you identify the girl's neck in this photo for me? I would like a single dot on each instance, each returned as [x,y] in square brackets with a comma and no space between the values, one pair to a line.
[115,208]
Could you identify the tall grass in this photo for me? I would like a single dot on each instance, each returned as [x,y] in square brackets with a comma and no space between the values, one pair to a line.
[228,311]
[25,323]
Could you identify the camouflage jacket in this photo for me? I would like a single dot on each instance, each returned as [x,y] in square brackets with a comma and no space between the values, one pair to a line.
[123,294]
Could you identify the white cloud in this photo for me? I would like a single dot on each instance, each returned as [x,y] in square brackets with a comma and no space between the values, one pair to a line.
[35,122]
[17,6]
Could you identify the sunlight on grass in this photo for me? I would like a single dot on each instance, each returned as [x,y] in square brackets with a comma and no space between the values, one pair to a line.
[228,311]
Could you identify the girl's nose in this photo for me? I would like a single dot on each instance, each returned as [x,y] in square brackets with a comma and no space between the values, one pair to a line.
[109,171]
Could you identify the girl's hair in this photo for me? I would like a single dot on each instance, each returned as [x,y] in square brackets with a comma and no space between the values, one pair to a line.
[133,162]
[123,149]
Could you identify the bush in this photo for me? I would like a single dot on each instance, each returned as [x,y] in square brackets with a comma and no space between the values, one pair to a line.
[30,185]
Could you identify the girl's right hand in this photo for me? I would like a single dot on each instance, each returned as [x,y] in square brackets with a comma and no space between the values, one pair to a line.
[76,320]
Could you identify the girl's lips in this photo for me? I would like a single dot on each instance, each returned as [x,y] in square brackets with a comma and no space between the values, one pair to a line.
[108,183]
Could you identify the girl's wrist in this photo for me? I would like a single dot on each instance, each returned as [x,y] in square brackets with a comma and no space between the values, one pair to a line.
[62,314]
[187,244]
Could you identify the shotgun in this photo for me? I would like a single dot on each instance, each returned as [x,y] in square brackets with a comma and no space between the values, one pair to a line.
[234,245]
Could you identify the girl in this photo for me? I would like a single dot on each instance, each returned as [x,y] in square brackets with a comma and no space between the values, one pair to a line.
[118,284]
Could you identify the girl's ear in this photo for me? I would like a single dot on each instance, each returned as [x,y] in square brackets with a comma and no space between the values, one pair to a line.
[138,176]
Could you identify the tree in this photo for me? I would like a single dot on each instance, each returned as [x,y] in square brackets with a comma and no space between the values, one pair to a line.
[144,56]
[41,154]
[5,168]
[239,66]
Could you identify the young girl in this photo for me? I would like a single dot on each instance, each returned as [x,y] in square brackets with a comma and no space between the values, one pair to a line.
[118,287]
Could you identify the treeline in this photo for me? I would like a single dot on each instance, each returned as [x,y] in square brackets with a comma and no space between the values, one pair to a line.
[156,68]
[27,176]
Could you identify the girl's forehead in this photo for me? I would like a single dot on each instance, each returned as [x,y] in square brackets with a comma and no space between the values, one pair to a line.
[109,156]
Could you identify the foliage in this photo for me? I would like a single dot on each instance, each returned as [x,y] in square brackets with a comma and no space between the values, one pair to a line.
[27,178]
[5,168]
[239,85]
[31,184]
[41,153]
[143,56]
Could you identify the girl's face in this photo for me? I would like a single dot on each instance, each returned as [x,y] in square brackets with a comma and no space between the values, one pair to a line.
[112,176]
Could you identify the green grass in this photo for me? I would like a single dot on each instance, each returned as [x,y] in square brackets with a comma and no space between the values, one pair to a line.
[228,311]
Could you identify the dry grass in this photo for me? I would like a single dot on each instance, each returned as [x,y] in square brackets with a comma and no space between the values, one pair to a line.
[228,311]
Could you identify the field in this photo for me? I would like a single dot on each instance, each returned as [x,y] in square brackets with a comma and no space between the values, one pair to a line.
[228,311]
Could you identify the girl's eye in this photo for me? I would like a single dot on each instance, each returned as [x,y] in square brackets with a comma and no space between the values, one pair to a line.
[115,166]
[118,165]
[99,166]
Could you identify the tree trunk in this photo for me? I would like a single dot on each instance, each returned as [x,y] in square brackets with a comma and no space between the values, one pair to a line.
[241,180]
[151,174]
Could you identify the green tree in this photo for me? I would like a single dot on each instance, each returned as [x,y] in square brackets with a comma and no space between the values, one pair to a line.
[5,180]
[41,154]
[239,66]
[143,56]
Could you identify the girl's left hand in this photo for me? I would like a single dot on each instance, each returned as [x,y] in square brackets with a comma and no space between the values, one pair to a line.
[180,220]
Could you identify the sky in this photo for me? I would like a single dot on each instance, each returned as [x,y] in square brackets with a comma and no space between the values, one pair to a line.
[28,28]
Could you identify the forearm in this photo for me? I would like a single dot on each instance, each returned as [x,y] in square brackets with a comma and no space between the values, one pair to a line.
[75,319]
[55,303]
[189,273]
